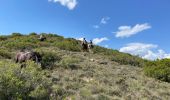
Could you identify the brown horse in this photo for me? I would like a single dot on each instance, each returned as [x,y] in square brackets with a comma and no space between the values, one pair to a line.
[87,46]
[84,46]
[29,55]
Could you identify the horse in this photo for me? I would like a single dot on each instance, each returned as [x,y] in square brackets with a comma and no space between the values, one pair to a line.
[90,46]
[23,56]
[42,38]
[87,46]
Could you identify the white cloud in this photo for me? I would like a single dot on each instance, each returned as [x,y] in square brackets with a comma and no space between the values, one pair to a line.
[70,4]
[81,39]
[99,40]
[147,51]
[127,31]
[104,20]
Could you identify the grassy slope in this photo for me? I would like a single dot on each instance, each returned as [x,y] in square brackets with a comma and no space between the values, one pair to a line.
[90,76]
[102,77]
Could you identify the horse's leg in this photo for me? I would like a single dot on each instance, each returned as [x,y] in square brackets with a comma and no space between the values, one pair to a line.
[16,61]
[87,48]
[23,65]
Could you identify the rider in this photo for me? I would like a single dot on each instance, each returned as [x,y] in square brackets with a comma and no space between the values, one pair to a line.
[84,41]
[91,44]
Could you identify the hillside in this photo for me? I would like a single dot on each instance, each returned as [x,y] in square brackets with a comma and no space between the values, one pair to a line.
[71,74]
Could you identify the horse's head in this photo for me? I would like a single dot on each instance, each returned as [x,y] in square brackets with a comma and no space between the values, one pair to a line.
[36,57]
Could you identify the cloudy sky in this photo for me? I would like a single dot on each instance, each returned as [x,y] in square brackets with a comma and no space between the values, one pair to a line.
[139,27]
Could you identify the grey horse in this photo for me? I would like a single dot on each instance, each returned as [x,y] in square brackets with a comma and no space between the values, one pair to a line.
[23,56]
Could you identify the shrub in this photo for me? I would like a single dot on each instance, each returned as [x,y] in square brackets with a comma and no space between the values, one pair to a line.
[5,54]
[33,33]
[49,59]
[159,69]
[20,45]
[2,38]
[59,92]
[101,50]
[68,44]
[128,59]
[54,35]
[16,34]
[69,62]
[39,93]
[22,84]
[121,58]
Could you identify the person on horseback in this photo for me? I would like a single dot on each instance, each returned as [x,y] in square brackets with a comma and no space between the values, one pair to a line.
[84,41]
[90,44]
[84,45]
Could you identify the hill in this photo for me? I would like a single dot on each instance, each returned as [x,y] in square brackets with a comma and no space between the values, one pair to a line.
[71,74]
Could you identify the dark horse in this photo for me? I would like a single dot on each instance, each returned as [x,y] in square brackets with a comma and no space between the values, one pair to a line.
[42,38]
[85,46]
[29,55]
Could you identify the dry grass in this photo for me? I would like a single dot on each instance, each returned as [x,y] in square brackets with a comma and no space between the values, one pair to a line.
[103,79]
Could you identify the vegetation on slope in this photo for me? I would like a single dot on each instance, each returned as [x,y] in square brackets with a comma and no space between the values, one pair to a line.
[16,83]
[72,74]
[18,41]
[159,69]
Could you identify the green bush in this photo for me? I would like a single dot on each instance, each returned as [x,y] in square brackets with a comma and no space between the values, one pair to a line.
[49,59]
[69,62]
[101,50]
[16,83]
[128,59]
[121,58]
[16,34]
[68,44]
[40,93]
[2,38]
[159,69]
[20,45]
[20,42]
[54,35]
[5,54]
[33,33]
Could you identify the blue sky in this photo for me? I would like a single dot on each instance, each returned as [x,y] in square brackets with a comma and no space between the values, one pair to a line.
[139,27]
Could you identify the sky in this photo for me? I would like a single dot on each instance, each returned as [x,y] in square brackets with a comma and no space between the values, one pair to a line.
[138,27]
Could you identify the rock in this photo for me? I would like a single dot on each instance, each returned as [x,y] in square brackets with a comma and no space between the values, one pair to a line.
[103,63]
[92,60]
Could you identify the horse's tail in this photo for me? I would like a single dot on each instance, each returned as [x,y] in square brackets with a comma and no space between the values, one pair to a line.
[36,59]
